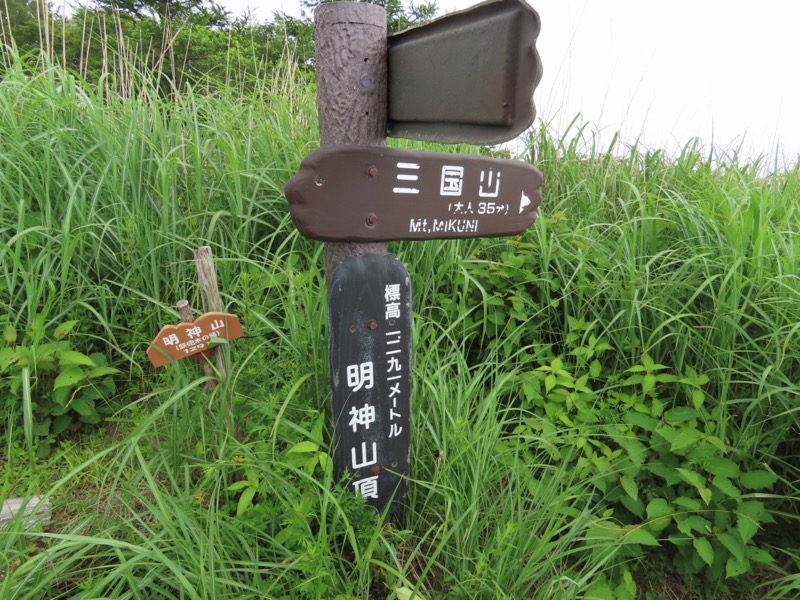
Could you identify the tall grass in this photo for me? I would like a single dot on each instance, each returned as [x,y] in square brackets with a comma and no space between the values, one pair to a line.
[104,196]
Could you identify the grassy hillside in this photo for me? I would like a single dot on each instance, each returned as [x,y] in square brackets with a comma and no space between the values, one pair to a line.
[605,406]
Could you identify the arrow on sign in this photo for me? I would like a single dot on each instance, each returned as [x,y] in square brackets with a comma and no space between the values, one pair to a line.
[524,202]
[387,194]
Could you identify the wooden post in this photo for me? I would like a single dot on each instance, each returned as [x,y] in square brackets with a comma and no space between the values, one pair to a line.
[369,295]
[209,292]
[351,91]
[185,311]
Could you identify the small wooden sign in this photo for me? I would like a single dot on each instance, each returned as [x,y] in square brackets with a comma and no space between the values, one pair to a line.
[175,342]
[369,315]
[384,194]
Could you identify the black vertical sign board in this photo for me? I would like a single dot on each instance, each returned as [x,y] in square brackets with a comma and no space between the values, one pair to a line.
[369,319]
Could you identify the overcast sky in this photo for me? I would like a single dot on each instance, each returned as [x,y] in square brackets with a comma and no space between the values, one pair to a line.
[723,71]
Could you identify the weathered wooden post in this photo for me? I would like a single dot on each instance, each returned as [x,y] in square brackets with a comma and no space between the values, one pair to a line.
[467,77]
[351,93]
[369,293]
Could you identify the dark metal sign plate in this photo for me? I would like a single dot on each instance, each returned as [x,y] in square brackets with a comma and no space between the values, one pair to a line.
[466,77]
[369,317]
[360,193]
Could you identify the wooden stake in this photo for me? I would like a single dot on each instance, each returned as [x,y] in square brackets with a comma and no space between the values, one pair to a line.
[185,311]
[209,293]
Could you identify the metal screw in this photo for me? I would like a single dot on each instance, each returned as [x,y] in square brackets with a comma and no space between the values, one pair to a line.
[372,172]
[376,470]
[319,180]
[372,219]
[372,325]
[352,328]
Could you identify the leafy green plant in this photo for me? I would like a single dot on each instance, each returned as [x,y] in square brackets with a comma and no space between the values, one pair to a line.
[664,475]
[49,385]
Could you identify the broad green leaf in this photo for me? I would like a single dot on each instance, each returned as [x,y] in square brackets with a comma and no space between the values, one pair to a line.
[658,508]
[82,406]
[303,447]
[759,555]
[63,329]
[61,423]
[689,523]
[648,383]
[748,519]
[325,462]
[657,408]
[61,395]
[637,451]
[595,368]
[640,535]
[549,383]
[725,485]
[600,590]
[681,414]
[686,437]
[697,398]
[91,419]
[689,504]
[717,443]
[723,467]
[704,550]
[41,428]
[245,500]
[629,485]
[646,422]
[238,485]
[691,477]
[10,334]
[666,472]
[757,480]
[667,432]
[736,566]
[404,593]
[102,372]
[666,378]
[7,357]
[73,357]
[69,378]
[733,543]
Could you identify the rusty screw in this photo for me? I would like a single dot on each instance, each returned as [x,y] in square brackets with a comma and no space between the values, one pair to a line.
[372,219]
[372,172]
[372,325]
[376,471]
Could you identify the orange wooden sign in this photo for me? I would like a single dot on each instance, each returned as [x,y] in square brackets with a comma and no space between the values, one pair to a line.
[175,342]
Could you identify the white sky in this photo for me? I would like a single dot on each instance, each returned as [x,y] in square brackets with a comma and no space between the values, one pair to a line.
[723,71]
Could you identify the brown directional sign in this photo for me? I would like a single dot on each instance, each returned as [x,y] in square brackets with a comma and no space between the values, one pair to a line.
[466,77]
[369,314]
[360,193]
[175,342]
